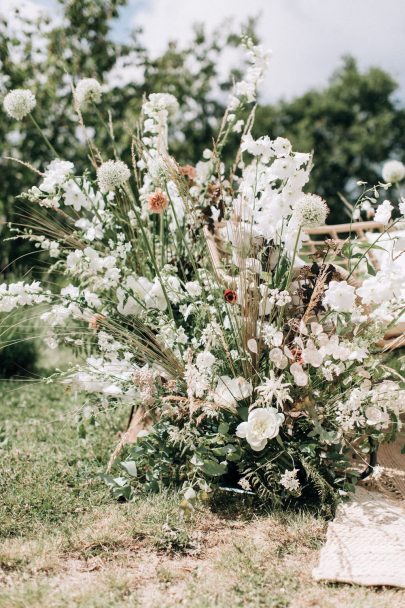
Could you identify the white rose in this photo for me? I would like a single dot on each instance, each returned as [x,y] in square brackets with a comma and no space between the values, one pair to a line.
[262,424]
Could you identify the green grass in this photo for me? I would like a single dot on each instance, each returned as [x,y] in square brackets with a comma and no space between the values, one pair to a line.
[64,543]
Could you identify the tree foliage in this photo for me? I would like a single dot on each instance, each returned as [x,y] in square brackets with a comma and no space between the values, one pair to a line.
[352,126]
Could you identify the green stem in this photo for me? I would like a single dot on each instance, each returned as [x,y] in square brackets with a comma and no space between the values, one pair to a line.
[46,140]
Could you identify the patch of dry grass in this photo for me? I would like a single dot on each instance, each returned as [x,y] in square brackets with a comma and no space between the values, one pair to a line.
[75,549]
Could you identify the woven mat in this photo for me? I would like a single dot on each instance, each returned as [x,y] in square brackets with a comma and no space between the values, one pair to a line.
[365,543]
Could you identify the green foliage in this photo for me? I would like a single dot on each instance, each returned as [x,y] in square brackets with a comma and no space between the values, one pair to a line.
[82,47]
[352,126]
[19,352]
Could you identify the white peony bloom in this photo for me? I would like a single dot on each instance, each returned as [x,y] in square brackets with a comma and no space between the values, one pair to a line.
[310,211]
[393,171]
[87,90]
[112,174]
[340,296]
[19,102]
[231,390]
[383,213]
[262,424]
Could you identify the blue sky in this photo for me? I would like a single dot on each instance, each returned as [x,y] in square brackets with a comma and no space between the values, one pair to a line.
[307,37]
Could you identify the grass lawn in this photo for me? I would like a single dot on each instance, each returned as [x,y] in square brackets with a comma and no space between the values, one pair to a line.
[66,543]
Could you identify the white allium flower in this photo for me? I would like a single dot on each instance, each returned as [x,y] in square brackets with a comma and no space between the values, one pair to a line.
[383,213]
[19,102]
[230,390]
[87,90]
[205,360]
[340,296]
[289,480]
[112,174]
[393,171]
[310,211]
[262,424]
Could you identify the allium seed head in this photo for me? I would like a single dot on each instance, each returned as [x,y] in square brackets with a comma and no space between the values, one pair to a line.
[19,102]
[310,211]
[87,90]
[112,174]
[393,171]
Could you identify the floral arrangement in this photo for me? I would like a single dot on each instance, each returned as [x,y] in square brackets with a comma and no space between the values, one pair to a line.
[244,365]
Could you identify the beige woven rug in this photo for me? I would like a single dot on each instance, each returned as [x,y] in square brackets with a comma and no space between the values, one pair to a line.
[365,543]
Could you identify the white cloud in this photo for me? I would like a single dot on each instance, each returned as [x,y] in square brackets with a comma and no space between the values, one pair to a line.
[308,37]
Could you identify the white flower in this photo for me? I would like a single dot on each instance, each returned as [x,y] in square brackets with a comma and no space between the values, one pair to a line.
[19,102]
[112,174]
[151,293]
[274,388]
[310,211]
[56,174]
[300,377]
[402,206]
[158,102]
[289,480]
[383,213]
[230,390]
[312,355]
[277,357]
[376,416]
[340,296]
[380,288]
[271,335]
[75,197]
[393,171]
[205,360]
[262,424]
[88,90]
[193,288]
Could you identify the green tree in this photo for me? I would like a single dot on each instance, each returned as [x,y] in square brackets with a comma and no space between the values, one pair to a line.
[47,58]
[352,126]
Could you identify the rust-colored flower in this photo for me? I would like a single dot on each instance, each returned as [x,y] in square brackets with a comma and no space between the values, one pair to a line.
[157,201]
[297,354]
[230,296]
[189,171]
[95,321]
